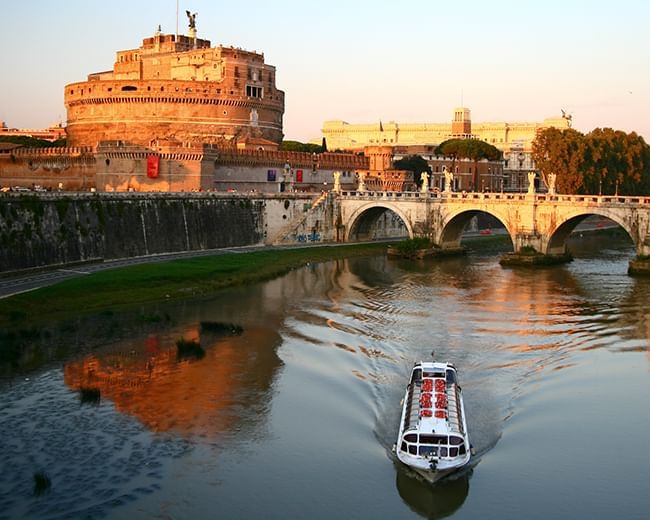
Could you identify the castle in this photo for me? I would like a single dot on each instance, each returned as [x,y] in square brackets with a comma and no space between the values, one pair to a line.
[177,87]
[176,114]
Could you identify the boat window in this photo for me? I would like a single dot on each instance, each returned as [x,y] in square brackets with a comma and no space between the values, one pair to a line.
[433,439]
[443,452]
[455,441]
[428,450]
[434,374]
[461,450]
[413,450]
[403,446]
[453,452]
[451,376]
[411,437]
[417,375]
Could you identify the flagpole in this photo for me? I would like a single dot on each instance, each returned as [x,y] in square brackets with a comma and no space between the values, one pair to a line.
[177,19]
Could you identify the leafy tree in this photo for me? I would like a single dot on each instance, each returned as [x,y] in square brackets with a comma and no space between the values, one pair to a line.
[413,163]
[615,162]
[561,152]
[297,146]
[604,161]
[31,142]
[473,149]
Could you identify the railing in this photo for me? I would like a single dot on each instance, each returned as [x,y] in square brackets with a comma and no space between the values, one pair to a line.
[497,197]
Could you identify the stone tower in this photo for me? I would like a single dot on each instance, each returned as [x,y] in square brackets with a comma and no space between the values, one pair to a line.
[461,125]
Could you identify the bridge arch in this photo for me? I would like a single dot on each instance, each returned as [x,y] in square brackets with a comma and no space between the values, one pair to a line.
[557,237]
[365,218]
[455,223]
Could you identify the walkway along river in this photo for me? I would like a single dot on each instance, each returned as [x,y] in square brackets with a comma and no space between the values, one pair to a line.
[290,405]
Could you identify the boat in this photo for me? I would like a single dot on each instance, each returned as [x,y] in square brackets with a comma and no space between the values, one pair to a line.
[433,438]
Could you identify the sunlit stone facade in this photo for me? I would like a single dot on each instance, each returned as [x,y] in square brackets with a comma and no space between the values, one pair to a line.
[177,87]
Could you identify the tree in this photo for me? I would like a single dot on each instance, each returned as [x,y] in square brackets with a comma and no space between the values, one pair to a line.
[32,142]
[561,152]
[413,163]
[615,162]
[473,149]
[297,146]
[604,161]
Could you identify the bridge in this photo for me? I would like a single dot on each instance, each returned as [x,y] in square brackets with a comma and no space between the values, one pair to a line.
[539,221]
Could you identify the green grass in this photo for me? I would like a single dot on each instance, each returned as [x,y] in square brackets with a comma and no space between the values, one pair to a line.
[177,279]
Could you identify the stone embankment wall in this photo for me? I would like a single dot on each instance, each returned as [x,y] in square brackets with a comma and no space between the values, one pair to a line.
[50,229]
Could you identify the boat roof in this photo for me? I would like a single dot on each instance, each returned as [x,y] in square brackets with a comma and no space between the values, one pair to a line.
[437,425]
[436,366]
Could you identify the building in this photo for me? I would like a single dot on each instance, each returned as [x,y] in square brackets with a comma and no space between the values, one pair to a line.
[177,87]
[514,139]
[486,175]
[51,133]
[176,114]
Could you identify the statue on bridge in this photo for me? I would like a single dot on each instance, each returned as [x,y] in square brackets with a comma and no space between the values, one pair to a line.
[362,184]
[531,183]
[337,182]
[449,179]
[551,183]
[424,177]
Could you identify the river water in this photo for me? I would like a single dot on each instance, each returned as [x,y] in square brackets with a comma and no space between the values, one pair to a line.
[290,407]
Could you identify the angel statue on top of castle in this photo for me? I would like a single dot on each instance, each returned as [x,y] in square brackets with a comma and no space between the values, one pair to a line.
[191,19]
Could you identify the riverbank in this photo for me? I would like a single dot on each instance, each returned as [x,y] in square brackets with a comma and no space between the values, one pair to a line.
[176,279]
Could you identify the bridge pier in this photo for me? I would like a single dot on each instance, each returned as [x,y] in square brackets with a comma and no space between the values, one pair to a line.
[528,249]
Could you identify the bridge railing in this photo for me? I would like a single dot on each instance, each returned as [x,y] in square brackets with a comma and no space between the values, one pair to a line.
[497,196]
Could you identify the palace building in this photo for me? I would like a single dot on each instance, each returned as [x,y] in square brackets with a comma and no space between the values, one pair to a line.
[180,88]
[514,139]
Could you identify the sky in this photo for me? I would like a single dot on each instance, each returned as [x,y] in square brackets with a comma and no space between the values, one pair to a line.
[361,61]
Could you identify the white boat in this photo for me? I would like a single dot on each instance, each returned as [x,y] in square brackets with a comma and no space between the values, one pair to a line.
[433,438]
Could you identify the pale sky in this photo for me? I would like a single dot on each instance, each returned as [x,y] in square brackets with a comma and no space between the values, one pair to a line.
[362,61]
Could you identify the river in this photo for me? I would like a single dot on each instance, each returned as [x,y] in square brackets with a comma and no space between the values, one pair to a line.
[290,406]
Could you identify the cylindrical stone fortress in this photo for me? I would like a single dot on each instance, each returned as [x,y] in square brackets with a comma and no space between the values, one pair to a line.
[177,87]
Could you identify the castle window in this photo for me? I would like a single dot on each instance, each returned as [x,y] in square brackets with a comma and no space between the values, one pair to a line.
[252,91]
[236,71]
[218,91]
[129,88]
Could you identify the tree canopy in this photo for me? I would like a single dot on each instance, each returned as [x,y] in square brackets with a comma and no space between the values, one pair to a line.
[473,149]
[297,146]
[32,142]
[604,161]
[413,163]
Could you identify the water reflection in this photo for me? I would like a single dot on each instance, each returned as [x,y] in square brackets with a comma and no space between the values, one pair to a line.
[438,501]
[226,388]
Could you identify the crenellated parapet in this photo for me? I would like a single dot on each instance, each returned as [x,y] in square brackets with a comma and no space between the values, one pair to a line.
[327,160]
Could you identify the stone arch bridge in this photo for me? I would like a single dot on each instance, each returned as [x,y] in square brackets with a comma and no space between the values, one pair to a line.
[540,221]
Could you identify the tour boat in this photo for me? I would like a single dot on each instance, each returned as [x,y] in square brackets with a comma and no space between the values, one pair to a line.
[433,438]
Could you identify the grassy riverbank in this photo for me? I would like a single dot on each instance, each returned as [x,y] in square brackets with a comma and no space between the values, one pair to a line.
[176,279]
